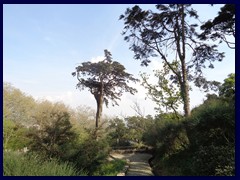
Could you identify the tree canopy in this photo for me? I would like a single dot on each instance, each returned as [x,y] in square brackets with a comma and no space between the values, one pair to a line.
[221,26]
[169,31]
[106,80]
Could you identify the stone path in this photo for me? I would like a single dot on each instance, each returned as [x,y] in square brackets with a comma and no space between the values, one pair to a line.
[138,163]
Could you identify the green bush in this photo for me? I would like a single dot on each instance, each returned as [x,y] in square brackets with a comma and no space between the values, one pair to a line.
[111,168]
[91,154]
[14,135]
[18,164]
[55,135]
[167,135]
[203,144]
[212,123]
[211,131]
[214,160]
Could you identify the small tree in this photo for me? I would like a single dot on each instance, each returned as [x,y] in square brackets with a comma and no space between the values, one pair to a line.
[53,132]
[165,93]
[118,131]
[106,80]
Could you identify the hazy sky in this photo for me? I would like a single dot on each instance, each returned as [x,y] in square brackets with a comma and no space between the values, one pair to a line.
[42,45]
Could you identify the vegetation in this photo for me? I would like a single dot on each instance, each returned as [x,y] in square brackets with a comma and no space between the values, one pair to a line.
[106,80]
[53,133]
[166,94]
[157,34]
[41,138]
[55,136]
[221,27]
[202,144]
[17,164]
[111,168]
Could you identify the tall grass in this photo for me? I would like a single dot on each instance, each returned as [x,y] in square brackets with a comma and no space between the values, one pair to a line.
[18,164]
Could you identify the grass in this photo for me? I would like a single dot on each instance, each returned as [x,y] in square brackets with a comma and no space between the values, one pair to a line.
[110,168]
[18,164]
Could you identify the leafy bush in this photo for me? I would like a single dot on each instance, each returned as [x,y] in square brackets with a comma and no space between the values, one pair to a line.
[111,168]
[212,123]
[167,135]
[14,135]
[117,132]
[214,160]
[211,131]
[54,135]
[203,144]
[17,164]
[91,154]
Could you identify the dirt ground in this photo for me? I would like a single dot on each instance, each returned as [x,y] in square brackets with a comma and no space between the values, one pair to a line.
[138,163]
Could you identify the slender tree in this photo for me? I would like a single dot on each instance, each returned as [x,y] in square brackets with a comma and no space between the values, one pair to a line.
[106,80]
[165,93]
[169,32]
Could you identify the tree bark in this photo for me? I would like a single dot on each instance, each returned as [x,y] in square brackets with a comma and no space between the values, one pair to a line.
[99,99]
[185,93]
[182,56]
[99,110]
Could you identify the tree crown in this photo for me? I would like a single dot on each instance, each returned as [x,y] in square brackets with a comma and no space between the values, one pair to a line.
[107,74]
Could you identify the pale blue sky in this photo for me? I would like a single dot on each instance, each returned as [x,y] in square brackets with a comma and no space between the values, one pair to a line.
[42,44]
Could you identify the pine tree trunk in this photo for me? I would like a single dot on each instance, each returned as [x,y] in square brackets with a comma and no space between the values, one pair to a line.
[184,85]
[185,93]
[99,110]
[99,99]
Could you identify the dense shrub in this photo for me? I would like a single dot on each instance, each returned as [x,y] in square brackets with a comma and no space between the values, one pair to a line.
[203,144]
[14,135]
[167,135]
[214,160]
[54,133]
[18,164]
[91,154]
[51,130]
[212,123]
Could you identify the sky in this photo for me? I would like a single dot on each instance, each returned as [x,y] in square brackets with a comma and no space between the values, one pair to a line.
[42,45]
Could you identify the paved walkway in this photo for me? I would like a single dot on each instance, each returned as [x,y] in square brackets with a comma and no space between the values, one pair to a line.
[138,165]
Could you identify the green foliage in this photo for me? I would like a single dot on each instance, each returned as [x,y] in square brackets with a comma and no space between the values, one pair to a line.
[170,136]
[167,30]
[106,80]
[222,26]
[53,134]
[212,123]
[17,106]
[166,94]
[91,154]
[211,131]
[137,126]
[210,149]
[55,131]
[107,74]
[111,168]
[118,132]
[17,164]
[202,144]
[14,135]
[227,89]
[214,160]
